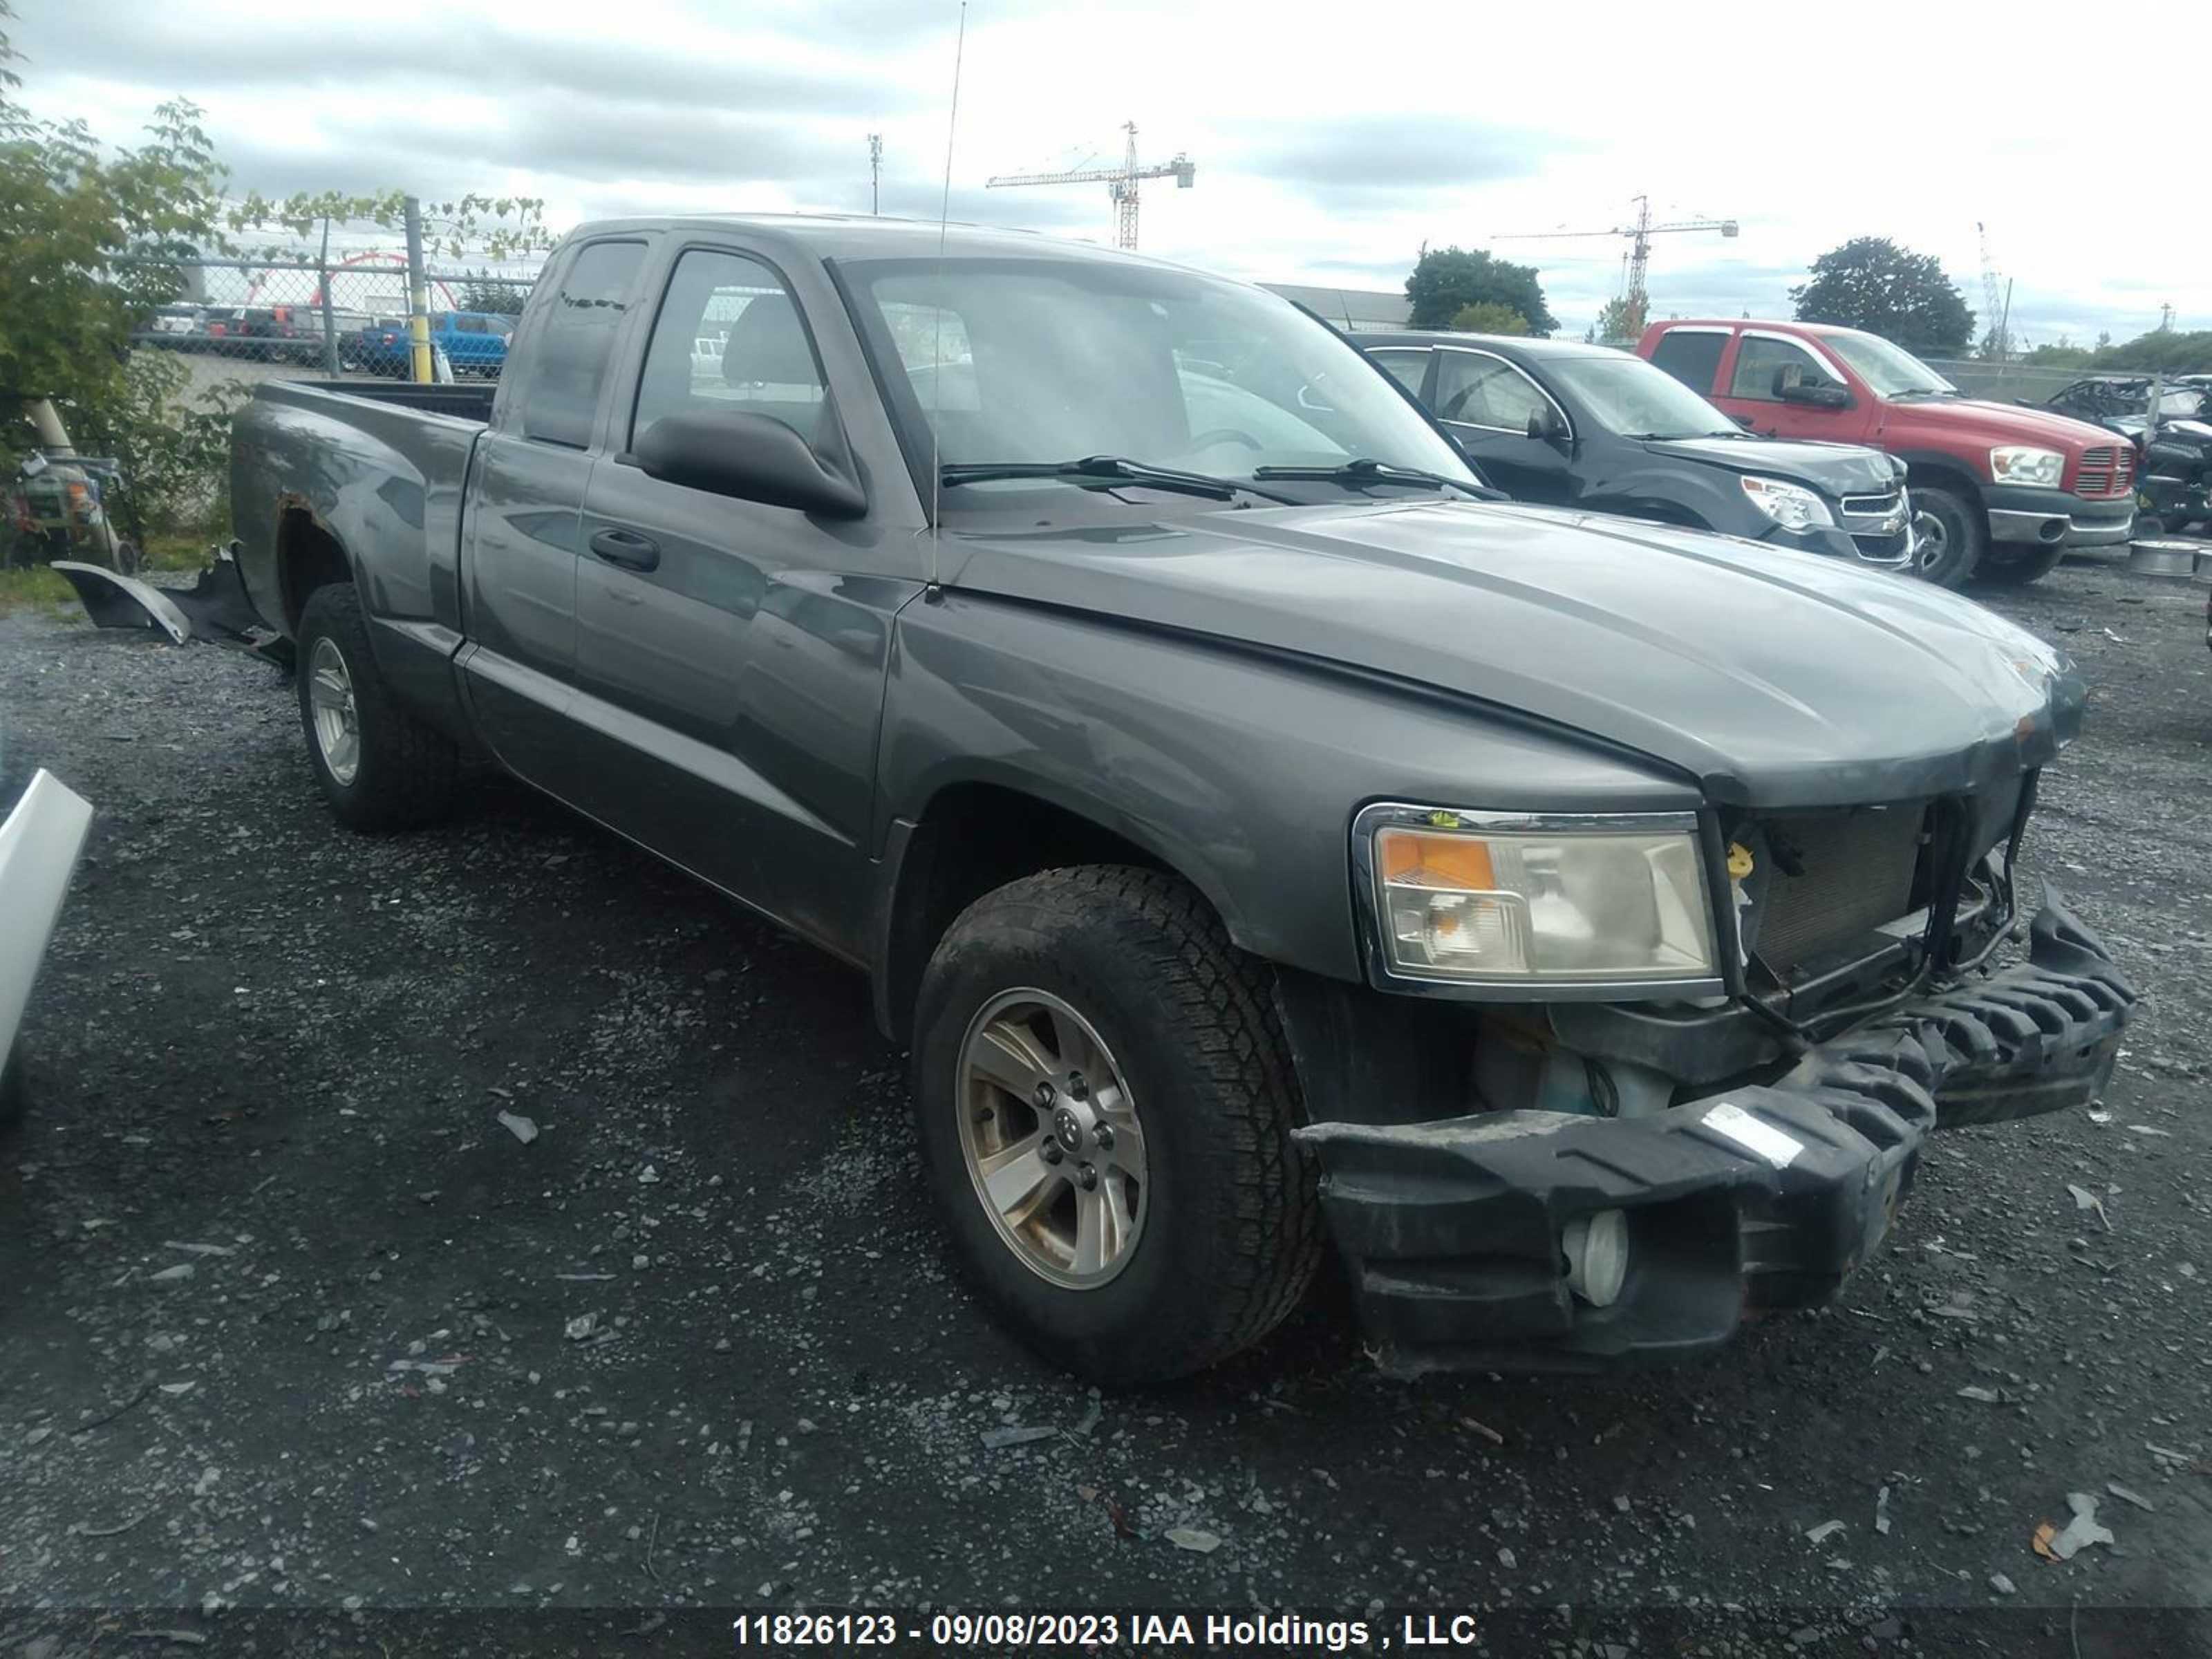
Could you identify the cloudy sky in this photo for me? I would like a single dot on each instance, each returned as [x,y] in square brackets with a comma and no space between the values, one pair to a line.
[1331,140]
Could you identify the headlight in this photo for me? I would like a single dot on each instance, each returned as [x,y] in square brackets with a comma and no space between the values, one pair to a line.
[2016,464]
[1786,504]
[1510,898]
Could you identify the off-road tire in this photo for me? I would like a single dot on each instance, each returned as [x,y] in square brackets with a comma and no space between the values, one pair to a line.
[1231,1233]
[1966,531]
[2017,569]
[409,771]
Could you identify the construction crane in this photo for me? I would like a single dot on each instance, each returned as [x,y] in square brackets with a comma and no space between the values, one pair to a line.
[1121,182]
[1993,295]
[1638,297]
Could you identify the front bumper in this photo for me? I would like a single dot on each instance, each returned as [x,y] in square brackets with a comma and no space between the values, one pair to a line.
[2031,513]
[1876,551]
[1752,1201]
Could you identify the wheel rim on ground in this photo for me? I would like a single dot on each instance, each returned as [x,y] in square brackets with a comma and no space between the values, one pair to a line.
[337,723]
[1932,541]
[1049,1132]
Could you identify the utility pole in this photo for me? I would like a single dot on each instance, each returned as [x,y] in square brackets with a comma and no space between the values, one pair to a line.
[875,172]
[418,298]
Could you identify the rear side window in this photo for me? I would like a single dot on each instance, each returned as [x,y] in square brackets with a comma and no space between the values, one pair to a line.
[568,357]
[729,337]
[1691,357]
[1407,368]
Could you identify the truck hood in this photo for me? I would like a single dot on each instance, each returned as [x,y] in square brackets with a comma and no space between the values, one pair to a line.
[1770,677]
[1972,419]
[1833,469]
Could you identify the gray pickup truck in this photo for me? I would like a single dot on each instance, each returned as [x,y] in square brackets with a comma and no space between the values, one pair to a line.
[1261,836]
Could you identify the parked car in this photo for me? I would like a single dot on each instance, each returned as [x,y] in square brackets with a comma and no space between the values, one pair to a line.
[40,839]
[171,328]
[1998,491]
[474,342]
[2103,399]
[1589,427]
[282,333]
[1256,834]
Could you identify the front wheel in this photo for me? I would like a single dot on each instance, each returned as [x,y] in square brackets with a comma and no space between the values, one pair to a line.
[1949,532]
[1104,1103]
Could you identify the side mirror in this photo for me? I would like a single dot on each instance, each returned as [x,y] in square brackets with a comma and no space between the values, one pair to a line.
[754,458]
[1789,389]
[1545,425]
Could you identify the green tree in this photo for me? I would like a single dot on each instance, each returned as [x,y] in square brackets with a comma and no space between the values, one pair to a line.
[2058,354]
[1488,317]
[2162,350]
[1618,324]
[1870,282]
[503,299]
[85,233]
[1446,280]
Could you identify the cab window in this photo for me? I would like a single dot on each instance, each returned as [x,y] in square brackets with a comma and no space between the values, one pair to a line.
[1691,356]
[1759,359]
[569,359]
[729,337]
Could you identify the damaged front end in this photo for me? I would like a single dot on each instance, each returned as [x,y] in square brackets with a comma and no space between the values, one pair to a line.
[1580,1184]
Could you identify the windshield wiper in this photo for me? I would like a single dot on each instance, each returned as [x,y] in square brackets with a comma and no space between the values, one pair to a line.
[1101,472]
[1365,471]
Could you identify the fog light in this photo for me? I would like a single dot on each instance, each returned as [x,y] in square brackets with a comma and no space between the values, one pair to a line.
[1596,1248]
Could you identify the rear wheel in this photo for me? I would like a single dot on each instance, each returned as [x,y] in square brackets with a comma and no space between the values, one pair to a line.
[1104,1102]
[380,768]
[1950,532]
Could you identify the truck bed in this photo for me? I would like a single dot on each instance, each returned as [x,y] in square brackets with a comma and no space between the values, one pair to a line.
[466,403]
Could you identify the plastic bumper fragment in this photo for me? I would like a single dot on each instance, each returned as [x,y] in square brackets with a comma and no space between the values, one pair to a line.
[1753,1200]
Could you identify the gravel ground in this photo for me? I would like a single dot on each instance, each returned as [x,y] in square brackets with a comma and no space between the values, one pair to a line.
[289,1320]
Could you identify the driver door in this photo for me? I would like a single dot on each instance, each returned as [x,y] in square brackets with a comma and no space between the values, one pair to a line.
[1485,404]
[1762,361]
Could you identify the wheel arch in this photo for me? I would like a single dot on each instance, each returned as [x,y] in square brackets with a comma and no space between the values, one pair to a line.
[309,556]
[974,834]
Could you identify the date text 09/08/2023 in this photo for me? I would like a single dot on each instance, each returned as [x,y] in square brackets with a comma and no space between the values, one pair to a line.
[1288,1632]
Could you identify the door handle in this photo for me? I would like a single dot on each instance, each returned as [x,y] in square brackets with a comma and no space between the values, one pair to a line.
[627,548]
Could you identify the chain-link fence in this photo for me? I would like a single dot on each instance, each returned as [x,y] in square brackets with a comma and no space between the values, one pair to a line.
[342,317]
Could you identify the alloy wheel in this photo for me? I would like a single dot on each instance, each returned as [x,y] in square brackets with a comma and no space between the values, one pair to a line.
[1050,1135]
[338,721]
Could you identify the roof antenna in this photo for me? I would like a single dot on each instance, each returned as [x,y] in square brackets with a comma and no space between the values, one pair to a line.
[937,347]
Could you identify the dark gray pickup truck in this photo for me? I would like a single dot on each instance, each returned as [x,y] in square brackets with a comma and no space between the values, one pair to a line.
[1261,836]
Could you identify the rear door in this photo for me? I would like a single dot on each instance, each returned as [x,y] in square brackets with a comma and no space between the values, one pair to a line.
[526,492]
[730,655]
[1485,403]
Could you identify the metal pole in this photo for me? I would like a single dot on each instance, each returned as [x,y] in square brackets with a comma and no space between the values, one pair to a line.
[418,297]
[875,172]
[330,322]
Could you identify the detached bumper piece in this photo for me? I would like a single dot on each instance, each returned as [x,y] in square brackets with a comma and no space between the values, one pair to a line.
[1753,1200]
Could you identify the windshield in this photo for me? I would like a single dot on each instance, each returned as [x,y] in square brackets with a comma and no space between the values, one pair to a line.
[1036,361]
[1631,397]
[1889,370]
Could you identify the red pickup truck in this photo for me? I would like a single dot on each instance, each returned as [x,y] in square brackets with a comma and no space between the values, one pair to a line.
[1996,489]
